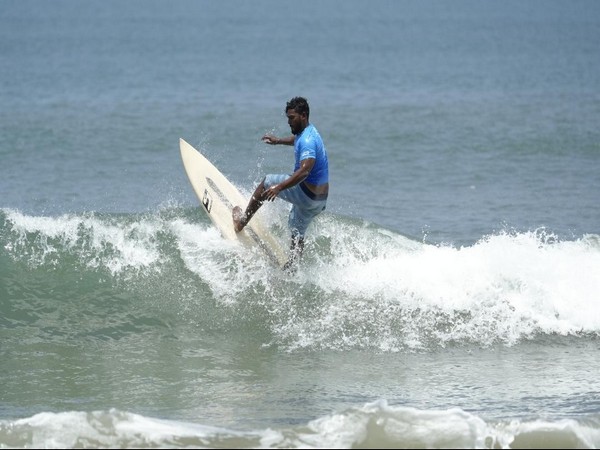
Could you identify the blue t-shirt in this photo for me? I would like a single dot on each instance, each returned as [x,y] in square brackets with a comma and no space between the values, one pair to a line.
[310,145]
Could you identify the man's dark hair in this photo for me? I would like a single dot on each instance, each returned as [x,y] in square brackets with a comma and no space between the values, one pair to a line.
[298,104]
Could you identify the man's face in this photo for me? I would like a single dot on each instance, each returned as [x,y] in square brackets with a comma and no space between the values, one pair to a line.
[295,121]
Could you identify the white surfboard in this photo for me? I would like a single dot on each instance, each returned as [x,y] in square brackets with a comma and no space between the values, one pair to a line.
[218,196]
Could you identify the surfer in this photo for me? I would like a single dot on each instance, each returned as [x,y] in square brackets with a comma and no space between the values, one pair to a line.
[306,188]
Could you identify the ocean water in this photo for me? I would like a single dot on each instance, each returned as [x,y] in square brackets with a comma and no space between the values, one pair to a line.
[449,296]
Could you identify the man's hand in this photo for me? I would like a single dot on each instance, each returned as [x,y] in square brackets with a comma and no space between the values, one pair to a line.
[270,139]
[271,193]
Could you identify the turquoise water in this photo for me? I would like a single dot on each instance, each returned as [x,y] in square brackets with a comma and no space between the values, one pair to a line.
[451,285]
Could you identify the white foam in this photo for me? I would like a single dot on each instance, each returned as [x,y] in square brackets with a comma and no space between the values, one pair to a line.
[505,288]
[110,244]
[372,425]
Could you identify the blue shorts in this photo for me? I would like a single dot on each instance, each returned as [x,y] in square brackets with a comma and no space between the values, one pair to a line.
[304,208]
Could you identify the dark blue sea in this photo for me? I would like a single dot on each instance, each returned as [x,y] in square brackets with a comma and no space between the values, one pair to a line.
[449,296]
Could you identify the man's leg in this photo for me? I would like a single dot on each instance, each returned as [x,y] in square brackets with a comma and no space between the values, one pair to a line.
[240,218]
[296,249]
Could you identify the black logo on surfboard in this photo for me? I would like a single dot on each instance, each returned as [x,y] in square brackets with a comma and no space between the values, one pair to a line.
[207,201]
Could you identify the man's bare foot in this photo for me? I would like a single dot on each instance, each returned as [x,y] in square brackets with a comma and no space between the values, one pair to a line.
[239,219]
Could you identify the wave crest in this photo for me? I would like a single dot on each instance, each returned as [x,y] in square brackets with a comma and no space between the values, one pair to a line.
[359,285]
